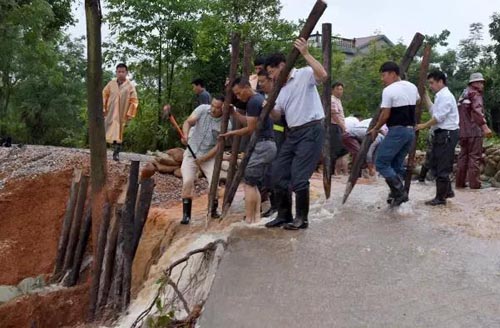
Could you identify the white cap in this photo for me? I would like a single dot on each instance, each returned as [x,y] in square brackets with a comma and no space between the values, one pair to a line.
[476,77]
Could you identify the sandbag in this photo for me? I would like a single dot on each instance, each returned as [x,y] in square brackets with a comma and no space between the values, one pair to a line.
[178,173]
[177,154]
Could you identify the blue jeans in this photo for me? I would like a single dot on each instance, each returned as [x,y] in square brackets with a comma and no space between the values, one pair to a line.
[392,151]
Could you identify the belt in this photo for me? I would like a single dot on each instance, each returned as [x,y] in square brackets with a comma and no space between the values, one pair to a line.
[295,128]
[265,139]
[402,126]
[278,128]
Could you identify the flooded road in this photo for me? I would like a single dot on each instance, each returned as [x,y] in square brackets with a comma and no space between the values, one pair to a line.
[362,265]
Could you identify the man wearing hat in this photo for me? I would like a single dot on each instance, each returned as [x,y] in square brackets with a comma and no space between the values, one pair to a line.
[473,129]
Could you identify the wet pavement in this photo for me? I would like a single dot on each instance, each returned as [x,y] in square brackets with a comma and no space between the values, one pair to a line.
[365,266]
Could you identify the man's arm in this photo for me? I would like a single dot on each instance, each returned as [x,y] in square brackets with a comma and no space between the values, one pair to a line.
[319,71]
[133,104]
[477,114]
[105,98]
[385,113]
[211,153]
[238,116]
[251,122]
[186,127]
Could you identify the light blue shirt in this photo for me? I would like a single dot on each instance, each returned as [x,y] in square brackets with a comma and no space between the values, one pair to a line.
[299,98]
[445,110]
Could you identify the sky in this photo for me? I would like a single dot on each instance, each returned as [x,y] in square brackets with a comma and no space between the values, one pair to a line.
[397,19]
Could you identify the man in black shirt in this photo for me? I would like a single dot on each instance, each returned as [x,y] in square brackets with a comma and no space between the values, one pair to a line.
[203,97]
[265,149]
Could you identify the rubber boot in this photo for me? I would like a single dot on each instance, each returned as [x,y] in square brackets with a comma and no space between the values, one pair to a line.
[186,210]
[397,190]
[450,193]
[273,209]
[214,214]
[441,192]
[284,204]
[301,211]
[116,151]
[423,173]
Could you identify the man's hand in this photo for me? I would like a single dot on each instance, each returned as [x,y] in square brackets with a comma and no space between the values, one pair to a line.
[420,127]
[302,46]
[184,141]
[225,135]
[486,131]
[200,160]
[372,133]
[166,110]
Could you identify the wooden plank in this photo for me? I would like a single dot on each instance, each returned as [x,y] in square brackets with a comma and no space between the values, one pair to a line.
[327,103]
[142,209]
[410,53]
[80,248]
[422,79]
[316,13]
[235,55]
[66,228]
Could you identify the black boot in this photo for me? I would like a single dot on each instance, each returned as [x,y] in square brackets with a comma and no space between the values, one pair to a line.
[284,204]
[301,211]
[450,193]
[423,173]
[116,151]
[273,209]
[397,190]
[214,214]
[441,192]
[186,210]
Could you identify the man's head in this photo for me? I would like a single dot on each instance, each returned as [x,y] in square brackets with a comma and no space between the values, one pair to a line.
[265,82]
[216,107]
[198,86]
[389,73]
[259,63]
[437,80]
[338,89]
[275,64]
[121,72]
[476,81]
[242,89]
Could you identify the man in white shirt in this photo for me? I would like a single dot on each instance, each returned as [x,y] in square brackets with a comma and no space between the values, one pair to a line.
[397,111]
[445,121]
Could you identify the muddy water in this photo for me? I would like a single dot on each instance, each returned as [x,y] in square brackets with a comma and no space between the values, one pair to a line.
[362,265]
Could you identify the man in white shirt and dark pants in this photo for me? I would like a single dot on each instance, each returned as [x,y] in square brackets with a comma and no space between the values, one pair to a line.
[445,120]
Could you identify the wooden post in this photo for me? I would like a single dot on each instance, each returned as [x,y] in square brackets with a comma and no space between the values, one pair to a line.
[96,273]
[66,228]
[328,167]
[214,184]
[410,53]
[80,248]
[235,147]
[128,230]
[422,79]
[316,13]
[77,221]
[142,209]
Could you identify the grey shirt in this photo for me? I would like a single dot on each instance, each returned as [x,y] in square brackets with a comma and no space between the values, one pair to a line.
[204,98]
[203,136]
[299,98]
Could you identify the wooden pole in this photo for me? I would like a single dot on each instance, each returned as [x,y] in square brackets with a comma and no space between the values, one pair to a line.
[235,147]
[410,53]
[66,228]
[96,273]
[142,209]
[316,13]
[77,221]
[327,103]
[422,79]
[80,248]
[235,55]
[128,230]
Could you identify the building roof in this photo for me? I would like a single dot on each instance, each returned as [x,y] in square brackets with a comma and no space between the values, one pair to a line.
[366,41]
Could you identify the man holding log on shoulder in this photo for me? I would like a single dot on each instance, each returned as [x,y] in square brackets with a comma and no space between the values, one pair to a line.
[397,110]
[300,102]
[206,122]
[445,120]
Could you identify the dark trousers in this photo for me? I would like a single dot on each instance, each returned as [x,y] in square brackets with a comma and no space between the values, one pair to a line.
[469,160]
[298,157]
[337,149]
[442,156]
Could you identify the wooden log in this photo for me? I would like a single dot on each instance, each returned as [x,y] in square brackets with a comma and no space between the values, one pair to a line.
[317,11]
[422,79]
[77,221]
[108,261]
[80,248]
[410,53]
[66,228]
[235,147]
[128,230]
[96,273]
[327,103]
[142,210]
[214,184]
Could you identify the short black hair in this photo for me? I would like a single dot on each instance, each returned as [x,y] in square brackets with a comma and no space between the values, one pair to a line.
[336,84]
[241,82]
[389,66]
[220,98]
[275,59]
[264,73]
[122,65]
[199,82]
[436,76]
[260,60]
